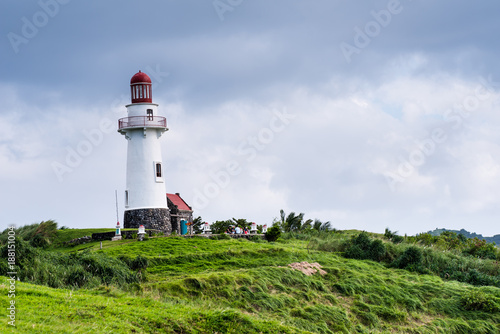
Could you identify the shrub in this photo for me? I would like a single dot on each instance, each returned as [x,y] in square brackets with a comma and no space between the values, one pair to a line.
[481,249]
[38,235]
[60,270]
[24,251]
[77,276]
[139,263]
[475,277]
[255,238]
[221,226]
[377,250]
[222,236]
[355,252]
[273,233]
[125,259]
[363,241]
[397,239]
[476,300]
[388,234]
[362,247]
[426,238]
[410,259]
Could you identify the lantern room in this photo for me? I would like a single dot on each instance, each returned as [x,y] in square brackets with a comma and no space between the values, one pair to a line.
[140,88]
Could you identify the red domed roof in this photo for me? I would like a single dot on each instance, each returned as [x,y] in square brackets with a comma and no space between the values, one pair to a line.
[140,77]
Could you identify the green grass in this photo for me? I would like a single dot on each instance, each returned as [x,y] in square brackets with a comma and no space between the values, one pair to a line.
[70,234]
[65,235]
[45,310]
[198,285]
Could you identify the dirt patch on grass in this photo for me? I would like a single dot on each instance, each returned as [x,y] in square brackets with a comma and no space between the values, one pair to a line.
[307,268]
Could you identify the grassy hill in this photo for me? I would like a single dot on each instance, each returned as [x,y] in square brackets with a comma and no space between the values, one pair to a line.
[198,285]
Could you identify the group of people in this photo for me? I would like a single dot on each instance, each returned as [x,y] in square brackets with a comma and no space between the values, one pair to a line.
[237,230]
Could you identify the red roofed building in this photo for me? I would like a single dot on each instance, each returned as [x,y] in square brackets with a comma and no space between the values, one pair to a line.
[179,210]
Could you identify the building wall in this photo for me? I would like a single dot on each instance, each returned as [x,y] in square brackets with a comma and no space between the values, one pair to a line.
[177,215]
[145,189]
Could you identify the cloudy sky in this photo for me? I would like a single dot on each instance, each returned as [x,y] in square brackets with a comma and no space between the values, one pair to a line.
[373,115]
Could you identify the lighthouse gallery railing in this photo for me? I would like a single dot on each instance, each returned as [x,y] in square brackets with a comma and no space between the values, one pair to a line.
[142,121]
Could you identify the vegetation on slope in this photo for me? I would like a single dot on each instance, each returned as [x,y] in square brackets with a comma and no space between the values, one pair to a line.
[474,262]
[469,235]
[199,285]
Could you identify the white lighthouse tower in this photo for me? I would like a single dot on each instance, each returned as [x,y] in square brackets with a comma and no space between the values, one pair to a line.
[145,195]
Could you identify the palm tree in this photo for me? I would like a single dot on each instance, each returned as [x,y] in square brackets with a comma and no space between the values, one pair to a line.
[197,226]
[326,226]
[242,223]
[317,225]
[320,226]
[307,225]
[290,223]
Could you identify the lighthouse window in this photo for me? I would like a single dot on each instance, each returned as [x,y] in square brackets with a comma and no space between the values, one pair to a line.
[140,91]
[147,92]
[158,169]
[150,114]
[126,198]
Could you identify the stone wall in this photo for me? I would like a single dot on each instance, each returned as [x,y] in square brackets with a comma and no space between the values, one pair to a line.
[177,216]
[125,234]
[79,241]
[156,219]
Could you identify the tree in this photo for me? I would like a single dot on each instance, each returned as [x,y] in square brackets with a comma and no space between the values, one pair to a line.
[242,223]
[307,225]
[273,233]
[221,226]
[411,259]
[318,225]
[327,226]
[363,247]
[290,223]
[198,225]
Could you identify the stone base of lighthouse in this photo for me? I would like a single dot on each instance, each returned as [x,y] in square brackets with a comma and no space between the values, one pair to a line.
[157,219]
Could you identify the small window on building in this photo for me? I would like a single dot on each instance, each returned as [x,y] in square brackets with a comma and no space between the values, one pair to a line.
[126,198]
[158,169]
[150,114]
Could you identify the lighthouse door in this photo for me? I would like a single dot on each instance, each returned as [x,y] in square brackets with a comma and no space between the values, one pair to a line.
[150,114]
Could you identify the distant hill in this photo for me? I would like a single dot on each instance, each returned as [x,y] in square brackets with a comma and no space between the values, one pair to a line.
[471,235]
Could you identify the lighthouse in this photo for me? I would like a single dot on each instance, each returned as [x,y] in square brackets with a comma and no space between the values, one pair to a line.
[145,194]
